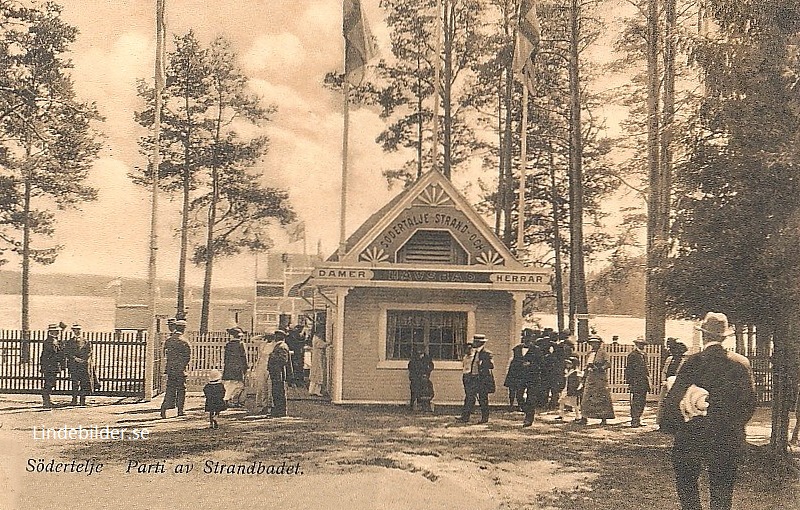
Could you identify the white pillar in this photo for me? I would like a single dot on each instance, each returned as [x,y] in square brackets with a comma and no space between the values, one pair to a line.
[516,324]
[338,345]
[697,340]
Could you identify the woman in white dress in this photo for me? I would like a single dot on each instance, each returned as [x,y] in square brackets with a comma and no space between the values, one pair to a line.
[319,362]
[257,388]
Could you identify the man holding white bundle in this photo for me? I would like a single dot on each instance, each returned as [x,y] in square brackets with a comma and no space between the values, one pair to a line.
[707,408]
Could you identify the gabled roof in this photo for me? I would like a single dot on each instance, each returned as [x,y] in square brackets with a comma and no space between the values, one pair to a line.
[430,203]
[369,224]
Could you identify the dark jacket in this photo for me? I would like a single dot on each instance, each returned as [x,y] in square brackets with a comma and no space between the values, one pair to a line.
[637,376]
[554,366]
[178,353]
[78,356]
[215,396]
[279,358]
[420,367]
[513,378]
[533,368]
[51,360]
[485,376]
[235,361]
[573,383]
[731,397]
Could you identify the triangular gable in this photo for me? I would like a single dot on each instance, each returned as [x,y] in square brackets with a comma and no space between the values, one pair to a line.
[431,203]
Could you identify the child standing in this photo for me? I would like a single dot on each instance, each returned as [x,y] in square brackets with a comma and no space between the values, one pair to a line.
[214,391]
[571,395]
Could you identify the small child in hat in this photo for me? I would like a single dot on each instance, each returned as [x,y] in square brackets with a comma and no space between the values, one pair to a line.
[214,391]
[571,394]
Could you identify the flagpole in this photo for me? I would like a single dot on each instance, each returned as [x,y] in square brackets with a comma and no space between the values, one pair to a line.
[523,161]
[345,135]
[149,364]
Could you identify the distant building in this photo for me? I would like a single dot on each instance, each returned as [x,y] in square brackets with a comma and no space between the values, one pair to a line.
[278,302]
[223,314]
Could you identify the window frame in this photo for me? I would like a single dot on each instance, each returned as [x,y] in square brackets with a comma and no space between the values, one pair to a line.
[382,336]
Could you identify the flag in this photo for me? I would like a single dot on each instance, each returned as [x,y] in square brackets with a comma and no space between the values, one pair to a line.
[161,58]
[527,39]
[359,47]
[297,231]
[114,283]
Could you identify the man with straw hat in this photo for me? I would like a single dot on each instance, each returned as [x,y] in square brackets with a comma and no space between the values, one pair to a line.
[78,353]
[51,362]
[637,377]
[707,408]
[177,354]
[479,381]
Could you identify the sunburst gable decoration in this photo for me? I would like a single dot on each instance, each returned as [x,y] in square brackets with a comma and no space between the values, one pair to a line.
[374,254]
[434,196]
[490,258]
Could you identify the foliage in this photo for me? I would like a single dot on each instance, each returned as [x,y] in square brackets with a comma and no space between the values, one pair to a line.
[740,176]
[47,139]
[227,209]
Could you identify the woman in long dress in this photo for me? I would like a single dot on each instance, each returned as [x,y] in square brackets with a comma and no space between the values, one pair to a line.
[596,402]
[319,362]
[257,388]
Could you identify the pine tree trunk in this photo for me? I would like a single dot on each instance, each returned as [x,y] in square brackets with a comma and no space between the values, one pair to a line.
[559,284]
[499,205]
[578,292]
[212,220]
[180,305]
[420,117]
[26,270]
[209,262]
[654,296]
[447,135]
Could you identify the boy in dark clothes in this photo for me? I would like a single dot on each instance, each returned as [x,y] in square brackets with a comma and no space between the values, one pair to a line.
[214,391]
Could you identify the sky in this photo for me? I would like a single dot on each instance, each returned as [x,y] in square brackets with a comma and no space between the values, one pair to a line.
[286,47]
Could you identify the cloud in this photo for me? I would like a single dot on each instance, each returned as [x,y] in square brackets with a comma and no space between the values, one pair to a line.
[276,54]
[283,96]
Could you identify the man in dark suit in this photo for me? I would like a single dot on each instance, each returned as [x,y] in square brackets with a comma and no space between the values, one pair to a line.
[707,408]
[177,355]
[637,377]
[479,381]
[533,377]
[51,363]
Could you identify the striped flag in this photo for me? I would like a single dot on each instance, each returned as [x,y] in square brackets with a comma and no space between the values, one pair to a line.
[161,58]
[527,39]
[359,46]
[297,231]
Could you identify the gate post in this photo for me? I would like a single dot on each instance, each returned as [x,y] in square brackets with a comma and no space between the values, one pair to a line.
[149,358]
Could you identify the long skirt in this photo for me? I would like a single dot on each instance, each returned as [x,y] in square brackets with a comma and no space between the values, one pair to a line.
[596,402]
[257,392]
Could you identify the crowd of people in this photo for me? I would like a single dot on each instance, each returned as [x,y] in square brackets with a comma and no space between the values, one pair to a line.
[280,363]
[545,374]
[705,401]
[67,351]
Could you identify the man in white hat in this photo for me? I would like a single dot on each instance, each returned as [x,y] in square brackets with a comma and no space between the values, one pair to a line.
[637,377]
[707,409]
[479,382]
[78,353]
[51,362]
[177,354]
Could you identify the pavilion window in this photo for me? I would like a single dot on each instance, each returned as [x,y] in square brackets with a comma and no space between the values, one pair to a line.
[441,334]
